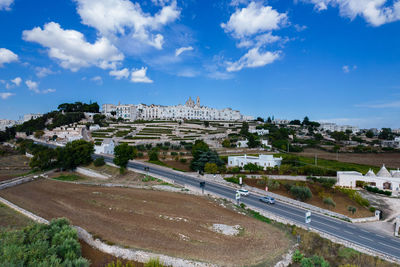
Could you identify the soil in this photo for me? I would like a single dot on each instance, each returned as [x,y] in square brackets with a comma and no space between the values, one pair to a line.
[12,166]
[155,221]
[342,200]
[101,259]
[10,219]
[178,165]
[391,160]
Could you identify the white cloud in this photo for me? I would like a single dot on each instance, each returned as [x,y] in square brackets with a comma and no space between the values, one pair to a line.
[7,56]
[48,91]
[347,68]
[139,76]
[300,28]
[97,79]
[70,48]
[119,74]
[120,17]
[43,71]
[253,58]
[5,4]
[5,95]
[33,86]
[375,12]
[188,73]
[254,18]
[17,81]
[260,40]
[182,49]
[393,104]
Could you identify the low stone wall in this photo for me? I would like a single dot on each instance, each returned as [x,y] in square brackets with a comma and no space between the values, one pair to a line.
[92,173]
[125,253]
[14,182]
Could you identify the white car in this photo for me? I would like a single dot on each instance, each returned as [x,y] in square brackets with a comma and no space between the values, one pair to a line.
[243,192]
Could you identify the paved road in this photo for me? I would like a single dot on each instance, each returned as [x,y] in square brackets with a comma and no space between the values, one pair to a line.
[354,233]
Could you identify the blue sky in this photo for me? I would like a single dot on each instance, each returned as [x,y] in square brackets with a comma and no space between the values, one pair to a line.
[333,60]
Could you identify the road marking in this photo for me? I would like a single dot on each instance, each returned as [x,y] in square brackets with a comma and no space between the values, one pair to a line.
[380,235]
[351,226]
[366,238]
[388,246]
[348,232]
[327,225]
[365,231]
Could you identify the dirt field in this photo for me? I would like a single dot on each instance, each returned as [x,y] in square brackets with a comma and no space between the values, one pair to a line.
[391,160]
[10,219]
[342,200]
[12,166]
[174,224]
[179,165]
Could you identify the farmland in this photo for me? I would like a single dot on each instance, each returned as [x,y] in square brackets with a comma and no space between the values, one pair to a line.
[391,160]
[13,165]
[179,225]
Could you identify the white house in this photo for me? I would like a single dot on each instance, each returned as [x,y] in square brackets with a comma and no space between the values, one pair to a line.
[259,131]
[106,147]
[264,161]
[31,116]
[383,179]
[94,127]
[392,143]
[242,143]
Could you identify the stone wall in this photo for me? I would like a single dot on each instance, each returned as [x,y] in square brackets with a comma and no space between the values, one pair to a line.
[92,173]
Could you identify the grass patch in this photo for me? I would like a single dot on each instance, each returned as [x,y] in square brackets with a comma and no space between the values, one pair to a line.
[68,177]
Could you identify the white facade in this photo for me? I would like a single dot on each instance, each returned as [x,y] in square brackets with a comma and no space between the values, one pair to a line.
[264,161]
[191,111]
[383,179]
[259,131]
[31,116]
[67,133]
[333,127]
[6,124]
[106,147]
[280,121]
[392,143]
[242,143]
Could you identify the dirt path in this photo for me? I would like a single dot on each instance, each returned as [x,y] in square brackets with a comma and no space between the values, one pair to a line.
[178,225]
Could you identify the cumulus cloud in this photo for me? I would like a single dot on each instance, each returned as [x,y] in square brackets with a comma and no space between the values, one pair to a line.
[7,56]
[5,95]
[375,12]
[43,71]
[254,18]
[119,74]
[70,48]
[113,18]
[33,86]
[252,59]
[5,4]
[48,91]
[139,76]
[182,49]
[17,81]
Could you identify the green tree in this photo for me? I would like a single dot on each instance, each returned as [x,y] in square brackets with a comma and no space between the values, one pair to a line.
[210,168]
[306,121]
[203,158]
[122,154]
[99,162]
[352,209]
[206,124]
[199,147]
[153,154]
[75,153]
[386,134]
[369,134]
[44,159]
[245,129]
[302,193]
[39,134]
[226,143]
[253,142]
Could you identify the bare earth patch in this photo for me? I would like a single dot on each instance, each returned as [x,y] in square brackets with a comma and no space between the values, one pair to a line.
[12,166]
[163,222]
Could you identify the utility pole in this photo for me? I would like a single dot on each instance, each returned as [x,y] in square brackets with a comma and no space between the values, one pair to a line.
[316,159]
[337,155]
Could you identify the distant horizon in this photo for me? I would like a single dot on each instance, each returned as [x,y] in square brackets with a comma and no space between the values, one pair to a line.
[328,60]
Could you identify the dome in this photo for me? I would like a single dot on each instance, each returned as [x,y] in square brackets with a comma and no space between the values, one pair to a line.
[395,174]
[370,173]
[383,172]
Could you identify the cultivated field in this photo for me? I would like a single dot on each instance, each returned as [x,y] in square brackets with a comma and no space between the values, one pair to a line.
[175,224]
[12,166]
[10,219]
[391,160]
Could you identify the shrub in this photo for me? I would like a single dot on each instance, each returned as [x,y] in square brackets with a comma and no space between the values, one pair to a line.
[297,256]
[252,167]
[352,209]
[372,209]
[377,190]
[354,195]
[210,168]
[329,201]
[99,162]
[302,193]
[153,155]
[183,160]
[232,180]
[154,263]
[174,153]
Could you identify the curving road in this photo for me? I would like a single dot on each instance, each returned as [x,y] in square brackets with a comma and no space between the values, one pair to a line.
[354,233]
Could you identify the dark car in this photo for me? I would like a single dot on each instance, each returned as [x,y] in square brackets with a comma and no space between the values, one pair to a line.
[268,200]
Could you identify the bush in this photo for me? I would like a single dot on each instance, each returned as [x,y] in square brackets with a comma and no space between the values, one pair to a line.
[99,162]
[302,193]
[153,155]
[352,209]
[55,244]
[377,190]
[183,160]
[372,209]
[232,180]
[354,195]
[329,201]
[297,256]
[211,168]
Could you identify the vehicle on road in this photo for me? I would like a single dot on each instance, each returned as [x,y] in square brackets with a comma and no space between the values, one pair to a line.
[268,200]
[243,192]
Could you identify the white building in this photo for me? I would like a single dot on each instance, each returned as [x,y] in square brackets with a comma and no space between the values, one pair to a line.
[333,127]
[383,179]
[259,131]
[6,124]
[31,116]
[106,147]
[392,143]
[66,133]
[264,161]
[280,121]
[242,143]
[191,111]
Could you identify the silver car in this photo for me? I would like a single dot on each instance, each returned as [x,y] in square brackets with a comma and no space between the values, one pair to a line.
[268,200]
